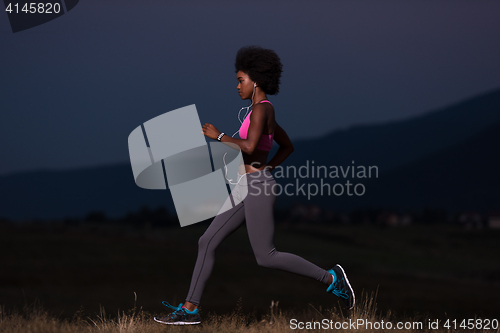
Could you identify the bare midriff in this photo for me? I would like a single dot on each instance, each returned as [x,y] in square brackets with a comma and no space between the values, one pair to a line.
[255,162]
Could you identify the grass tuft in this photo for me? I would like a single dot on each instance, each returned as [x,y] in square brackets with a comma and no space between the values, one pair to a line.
[34,319]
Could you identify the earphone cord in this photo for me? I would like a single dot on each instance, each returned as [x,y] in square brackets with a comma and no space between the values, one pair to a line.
[248,109]
[225,168]
[241,122]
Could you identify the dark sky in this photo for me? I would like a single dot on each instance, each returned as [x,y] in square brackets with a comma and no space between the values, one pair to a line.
[74,88]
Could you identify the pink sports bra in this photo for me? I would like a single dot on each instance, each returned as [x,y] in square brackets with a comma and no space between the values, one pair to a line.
[266,140]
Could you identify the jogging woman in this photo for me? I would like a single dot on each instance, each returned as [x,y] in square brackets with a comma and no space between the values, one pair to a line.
[258,72]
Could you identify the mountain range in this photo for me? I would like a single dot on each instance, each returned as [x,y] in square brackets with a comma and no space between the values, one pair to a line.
[446,158]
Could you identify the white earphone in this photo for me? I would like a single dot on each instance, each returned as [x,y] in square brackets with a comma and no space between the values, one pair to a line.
[241,122]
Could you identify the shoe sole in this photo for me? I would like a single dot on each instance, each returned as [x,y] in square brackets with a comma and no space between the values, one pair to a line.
[177,322]
[352,291]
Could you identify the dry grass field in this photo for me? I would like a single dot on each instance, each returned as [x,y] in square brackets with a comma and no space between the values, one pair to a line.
[112,278]
[364,318]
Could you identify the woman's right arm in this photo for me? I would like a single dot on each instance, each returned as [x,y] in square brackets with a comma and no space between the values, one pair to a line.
[285,149]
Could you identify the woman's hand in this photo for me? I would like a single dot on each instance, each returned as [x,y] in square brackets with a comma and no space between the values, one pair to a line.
[210,130]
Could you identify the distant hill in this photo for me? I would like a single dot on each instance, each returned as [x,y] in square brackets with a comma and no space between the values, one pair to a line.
[455,148]
[398,143]
[74,193]
[462,177]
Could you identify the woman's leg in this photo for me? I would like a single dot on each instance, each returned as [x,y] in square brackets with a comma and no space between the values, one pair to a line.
[222,226]
[259,205]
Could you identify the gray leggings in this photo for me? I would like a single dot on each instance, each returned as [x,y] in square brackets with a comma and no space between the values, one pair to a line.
[257,209]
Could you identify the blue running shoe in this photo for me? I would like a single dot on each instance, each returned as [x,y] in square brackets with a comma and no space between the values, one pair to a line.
[341,287]
[181,316]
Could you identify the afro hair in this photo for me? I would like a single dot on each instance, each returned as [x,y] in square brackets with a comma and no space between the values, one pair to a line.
[263,66]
